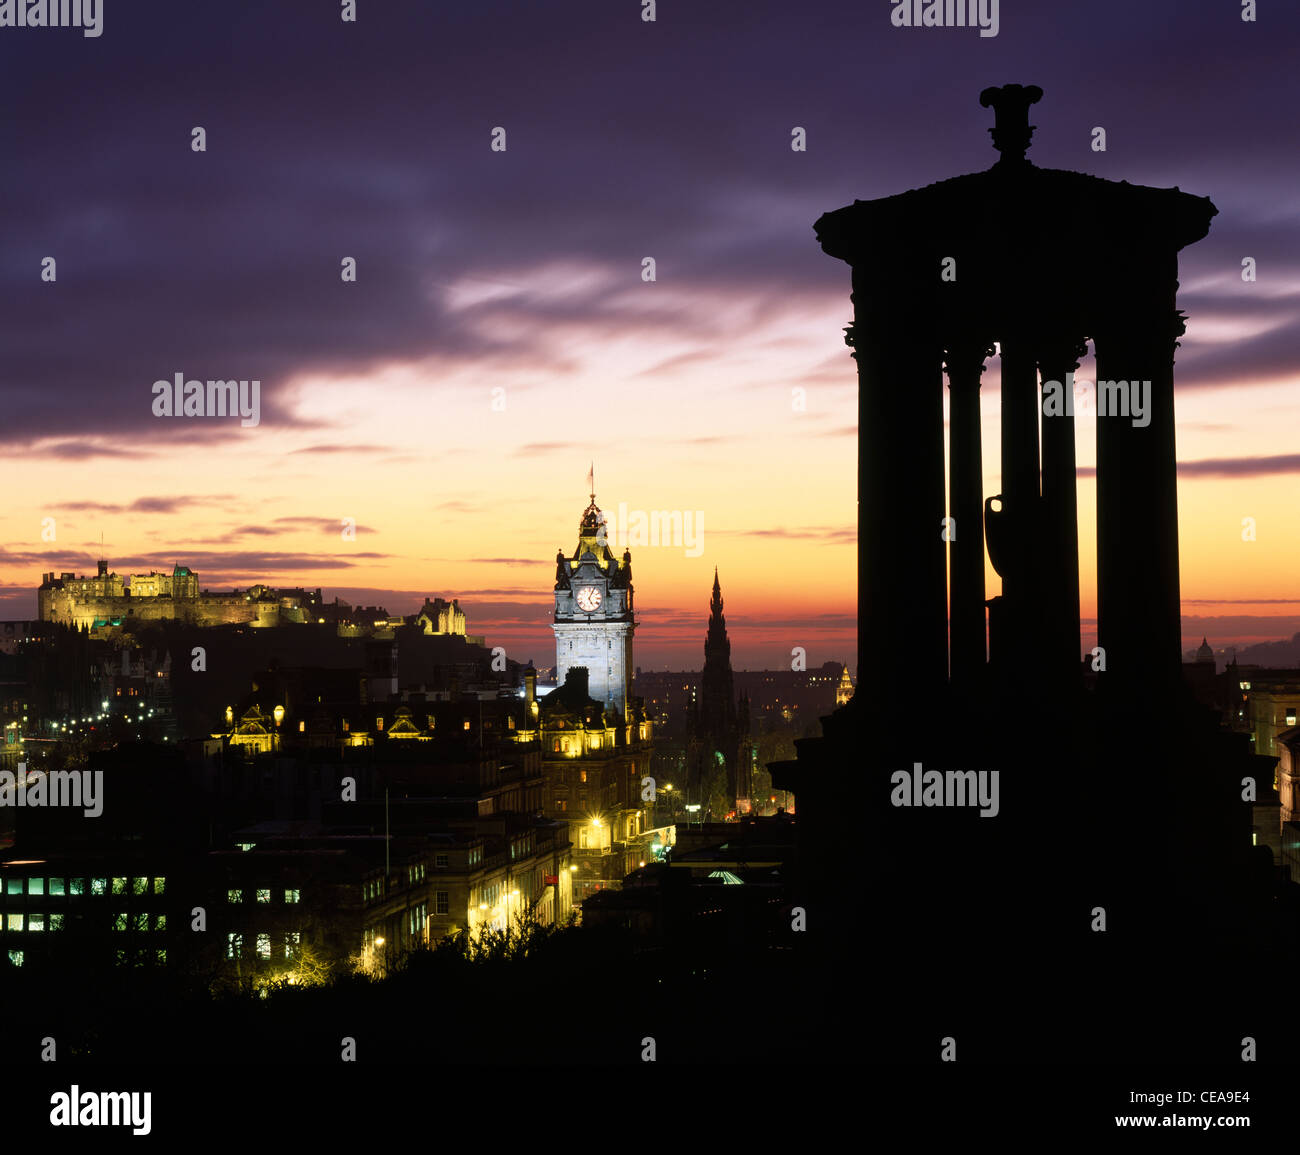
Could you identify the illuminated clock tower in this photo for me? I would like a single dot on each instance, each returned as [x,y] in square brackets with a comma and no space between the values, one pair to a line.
[593,613]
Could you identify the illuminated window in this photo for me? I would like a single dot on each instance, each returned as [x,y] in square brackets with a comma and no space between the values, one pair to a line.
[263,946]
[36,886]
[582,774]
[160,957]
[140,923]
[56,922]
[159,885]
[119,886]
[139,885]
[234,896]
[159,922]
[379,724]
[291,896]
[13,922]
[263,895]
[291,941]
[16,958]
[302,727]
[466,723]
[14,886]
[119,921]
[98,886]
[56,886]
[234,945]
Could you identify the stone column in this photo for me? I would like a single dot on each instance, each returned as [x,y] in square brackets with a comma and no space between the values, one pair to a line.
[964,365]
[902,580]
[1059,514]
[1138,598]
[1020,492]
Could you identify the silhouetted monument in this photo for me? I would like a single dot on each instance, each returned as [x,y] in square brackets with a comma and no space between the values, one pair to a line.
[1126,798]
[1038,261]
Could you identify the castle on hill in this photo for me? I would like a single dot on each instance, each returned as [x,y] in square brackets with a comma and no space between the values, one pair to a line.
[110,600]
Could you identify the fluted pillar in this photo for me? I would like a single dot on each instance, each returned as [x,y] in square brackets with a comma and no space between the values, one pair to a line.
[1017,519]
[964,363]
[1058,511]
[1138,595]
[902,614]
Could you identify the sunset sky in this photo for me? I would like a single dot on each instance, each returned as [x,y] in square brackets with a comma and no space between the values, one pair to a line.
[521,271]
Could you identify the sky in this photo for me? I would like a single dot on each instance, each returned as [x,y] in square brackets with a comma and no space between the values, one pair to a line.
[501,334]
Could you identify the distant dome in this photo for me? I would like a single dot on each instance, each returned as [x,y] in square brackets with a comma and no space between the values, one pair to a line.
[1204,653]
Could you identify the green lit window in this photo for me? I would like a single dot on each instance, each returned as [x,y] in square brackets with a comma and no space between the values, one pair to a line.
[119,886]
[139,885]
[263,895]
[56,886]
[16,957]
[77,886]
[36,886]
[159,885]
[234,896]
[13,922]
[14,886]
[234,945]
[291,941]
[36,922]
[263,946]
[98,886]
[291,896]
[160,957]
[140,923]
[119,921]
[56,922]
[160,922]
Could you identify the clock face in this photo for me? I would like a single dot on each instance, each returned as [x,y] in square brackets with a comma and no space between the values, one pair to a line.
[588,598]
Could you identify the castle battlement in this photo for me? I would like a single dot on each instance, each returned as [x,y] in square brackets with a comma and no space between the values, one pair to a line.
[107,600]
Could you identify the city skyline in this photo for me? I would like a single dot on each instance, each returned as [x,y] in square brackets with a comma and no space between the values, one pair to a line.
[524,273]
